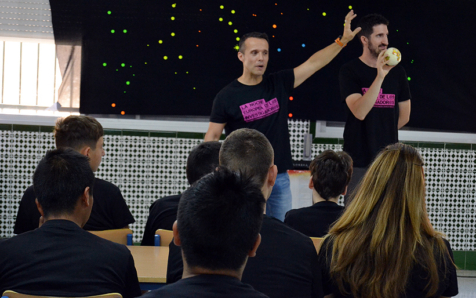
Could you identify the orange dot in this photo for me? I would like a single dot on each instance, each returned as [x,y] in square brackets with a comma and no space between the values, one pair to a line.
[290,115]
[275,3]
[113,105]
[273,36]
[291,98]
[274,26]
[281,13]
[122,113]
[197,45]
[200,9]
[199,31]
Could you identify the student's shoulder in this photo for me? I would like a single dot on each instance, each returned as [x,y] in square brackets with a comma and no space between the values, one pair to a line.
[274,226]
[166,202]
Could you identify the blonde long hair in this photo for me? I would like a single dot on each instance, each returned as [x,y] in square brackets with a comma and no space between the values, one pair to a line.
[385,230]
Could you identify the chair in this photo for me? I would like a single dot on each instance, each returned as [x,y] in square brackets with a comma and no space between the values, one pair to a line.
[13,294]
[121,236]
[317,243]
[165,237]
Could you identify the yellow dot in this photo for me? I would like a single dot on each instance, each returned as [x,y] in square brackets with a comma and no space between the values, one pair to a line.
[172,18]
[173,34]
[232,11]
[237,48]
[324,14]
[147,45]
[180,56]
[165,57]
[174,5]
[221,6]
[160,41]
[145,62]
[230,23]
[175,72]
[236,30]
[237,39]
[220,19]
[194,88]
[350,6]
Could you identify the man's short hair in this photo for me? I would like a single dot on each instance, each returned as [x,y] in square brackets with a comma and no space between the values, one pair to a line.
[218,220]
[368,22]
[331,172]
[77,131]
[202,160]
[60,179]
[261,35]
[248,151]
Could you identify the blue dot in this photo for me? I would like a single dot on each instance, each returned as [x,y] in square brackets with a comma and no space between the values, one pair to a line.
[279,49]
[303,45]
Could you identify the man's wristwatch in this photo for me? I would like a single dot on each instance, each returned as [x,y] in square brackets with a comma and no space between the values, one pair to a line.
[340,42]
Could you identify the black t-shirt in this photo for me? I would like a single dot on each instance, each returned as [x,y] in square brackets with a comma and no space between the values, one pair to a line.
[213,286]
[285,264]
[364,139]
[417,281]
[109,210]
[315,220]
[60,259]
[162,215]
[263,107]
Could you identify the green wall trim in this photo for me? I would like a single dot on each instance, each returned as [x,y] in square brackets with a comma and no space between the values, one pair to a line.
[47,128]
[325,141]
[135,133]
[6,127]
[19,127]
[163,134]
[465,260]
[113,132]
[190,135]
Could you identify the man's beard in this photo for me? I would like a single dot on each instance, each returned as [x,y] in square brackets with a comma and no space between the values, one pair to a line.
[374,51]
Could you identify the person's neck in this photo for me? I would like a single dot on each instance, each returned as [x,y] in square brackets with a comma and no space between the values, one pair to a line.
[191,272]
[369,59]
[316,198]
[68,217]
[250,79]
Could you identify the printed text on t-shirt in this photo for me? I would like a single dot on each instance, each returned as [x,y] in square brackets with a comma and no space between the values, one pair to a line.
[259,109]
[383,100]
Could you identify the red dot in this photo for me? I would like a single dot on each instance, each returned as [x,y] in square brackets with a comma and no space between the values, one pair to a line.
[291,98]
[290,115]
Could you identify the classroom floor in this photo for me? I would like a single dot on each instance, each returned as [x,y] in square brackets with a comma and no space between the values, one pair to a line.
[466,284]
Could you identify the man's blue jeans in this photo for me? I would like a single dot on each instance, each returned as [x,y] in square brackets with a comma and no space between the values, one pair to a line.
[281,199]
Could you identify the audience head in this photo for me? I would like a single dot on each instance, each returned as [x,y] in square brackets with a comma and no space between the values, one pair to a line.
[62,180]
[202,160]
[385,229]
[330,173]
[82,133]
[248,151]
[218,221]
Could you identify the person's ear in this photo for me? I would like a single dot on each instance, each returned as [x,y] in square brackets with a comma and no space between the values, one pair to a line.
[86,150]
[86,197]
[40,209]
[272,174]
[240,56]
[252,252]
[176,235]
[364,40]
[345,191]
[311,183]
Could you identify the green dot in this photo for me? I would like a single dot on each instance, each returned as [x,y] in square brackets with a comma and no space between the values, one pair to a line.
[324,14]
[236,30]
[174,5]
[230,23]
[194,88]
[147,44]
[165,57]
[237,39]
[128,83]
[233,12]
[409,78]
[411,62]
[130,66]
[117,69]
[220,19]
[175,72]
[124,91]
[397,30]
[113,31]
[133,74]
[145,62]
[123,64]
[308,9]
[109,12]
[160,41]
[180,56]
[173,34]
[221,6]
[125,31]
[350,6]
[172,18]
[104,64]
[408,43]
[187,72]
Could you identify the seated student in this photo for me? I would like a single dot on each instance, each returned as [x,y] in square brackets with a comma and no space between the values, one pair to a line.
[384,244]
[60,258]
[202,160]
[330,175]
[286,265]
[218,224]
[85,135]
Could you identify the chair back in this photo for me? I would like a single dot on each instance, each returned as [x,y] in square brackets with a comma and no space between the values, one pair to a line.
[166,237]
[317,243]
[120,236]
[13,294]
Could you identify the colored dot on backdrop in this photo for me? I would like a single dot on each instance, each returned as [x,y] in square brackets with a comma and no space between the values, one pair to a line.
[194,88]
[230,23]
[397,30]
[197,45]
[160,41]
[180,57]
[128,83]
[221,6]
[274,26]
[113,31]
[409,78]
[113,105]
[117,69]
[220,19]
[165,57]
[303,45]
[130,65]
[291,98]
[290,115]
[281,13]
[109,12]
[147,44]
[174,5]
[279,49]
[186,72]
[237,48]
[233,12]
[236,31]
[123,64]
[122,112]
[125,31]
[133,74]
[145,62]
[237,39]
[324,14]
[172,18]
[124,91]
[104,64]
[408,43]
[350,6]
[199,31]
[411,62]
[173,34]
[175,72]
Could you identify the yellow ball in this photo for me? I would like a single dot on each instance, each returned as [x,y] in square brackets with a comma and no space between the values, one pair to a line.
[393,56]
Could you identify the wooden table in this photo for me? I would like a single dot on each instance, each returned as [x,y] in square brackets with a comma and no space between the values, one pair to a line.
[151,265]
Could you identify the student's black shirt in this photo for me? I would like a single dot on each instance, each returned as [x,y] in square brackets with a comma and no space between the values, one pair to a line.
[162,215]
